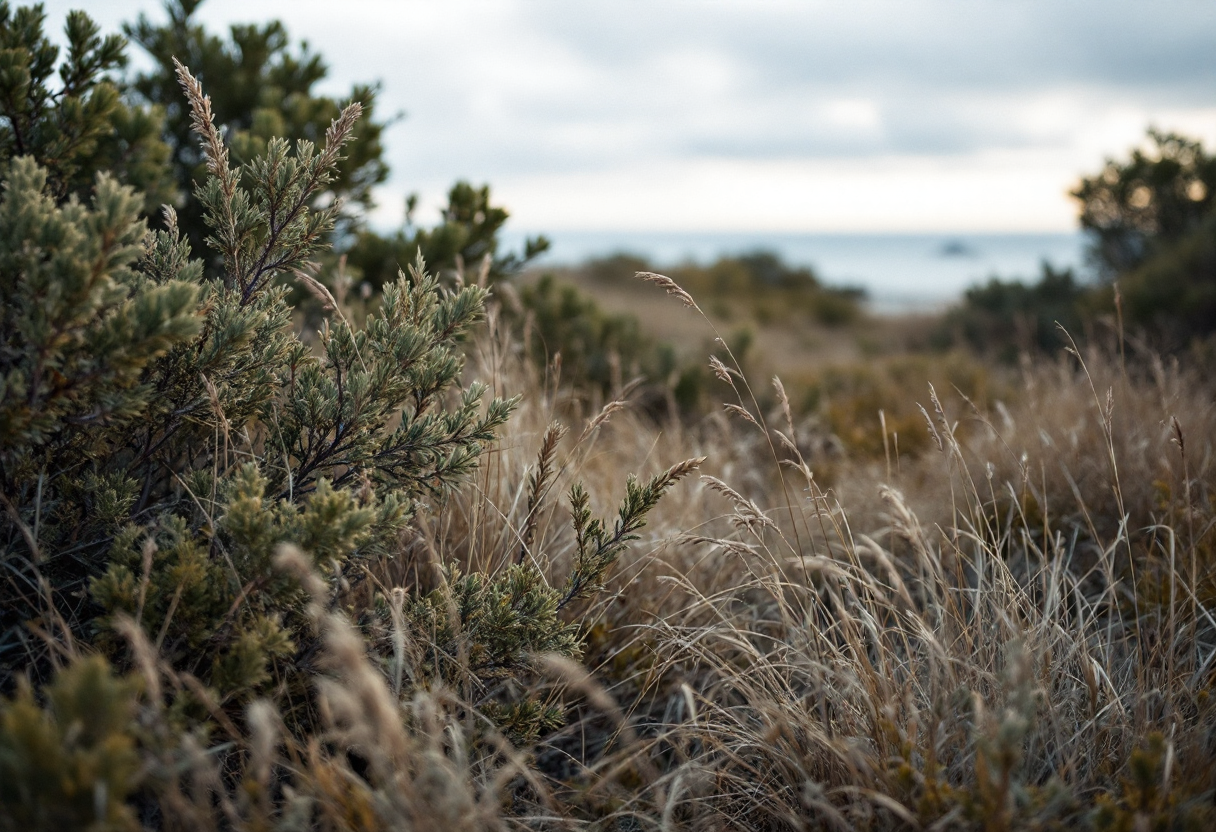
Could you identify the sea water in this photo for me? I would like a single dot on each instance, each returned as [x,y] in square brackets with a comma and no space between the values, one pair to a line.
[900,272]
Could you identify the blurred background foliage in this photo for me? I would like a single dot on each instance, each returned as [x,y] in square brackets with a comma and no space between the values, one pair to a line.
[1151,224]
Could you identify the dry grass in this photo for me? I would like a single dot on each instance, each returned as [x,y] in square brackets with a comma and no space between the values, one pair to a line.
[1012,630]
[986,636]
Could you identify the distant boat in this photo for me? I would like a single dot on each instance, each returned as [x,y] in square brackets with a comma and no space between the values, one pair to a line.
[956,248]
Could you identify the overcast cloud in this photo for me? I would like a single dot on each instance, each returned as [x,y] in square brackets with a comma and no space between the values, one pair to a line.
[948,115]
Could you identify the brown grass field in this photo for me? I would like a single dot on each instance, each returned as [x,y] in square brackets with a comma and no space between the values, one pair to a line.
[1009,629]
[999,620]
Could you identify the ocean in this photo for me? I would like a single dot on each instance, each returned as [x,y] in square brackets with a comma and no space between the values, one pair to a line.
[900,272]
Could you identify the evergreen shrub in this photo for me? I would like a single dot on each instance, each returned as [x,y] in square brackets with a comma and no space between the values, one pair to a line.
[189,485]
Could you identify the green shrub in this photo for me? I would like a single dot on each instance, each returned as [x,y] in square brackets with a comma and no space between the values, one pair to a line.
[1152,232]
[1172,294]
[1133,209]
[1004,318]
[83,124]
[598,349]
[760,285]
[74,763]
[466,236]
[164,434]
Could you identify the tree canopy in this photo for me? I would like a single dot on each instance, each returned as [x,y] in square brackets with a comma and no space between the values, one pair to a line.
[70,114]
[1135,208]
[260,88]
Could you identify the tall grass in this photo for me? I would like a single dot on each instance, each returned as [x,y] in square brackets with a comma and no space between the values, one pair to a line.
[1012,630]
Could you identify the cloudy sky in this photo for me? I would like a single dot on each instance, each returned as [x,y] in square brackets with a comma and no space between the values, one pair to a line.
[757,115]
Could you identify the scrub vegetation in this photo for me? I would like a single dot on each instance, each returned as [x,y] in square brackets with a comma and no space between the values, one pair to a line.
[300,532]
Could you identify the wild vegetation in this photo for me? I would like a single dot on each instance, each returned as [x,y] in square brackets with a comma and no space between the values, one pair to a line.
[281,554]
[1151,221]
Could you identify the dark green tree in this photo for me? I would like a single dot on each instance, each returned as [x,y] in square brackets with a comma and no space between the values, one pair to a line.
[1152,222]
[1002,318]
[69,115]
[1172,294]
[1132,209]
[261,88]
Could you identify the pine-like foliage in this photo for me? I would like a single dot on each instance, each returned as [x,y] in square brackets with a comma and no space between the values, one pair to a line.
[483,632]
[164,430]
[194,490]
[262,87]
[74,761]
[77,123]
[166,435]
[465,238]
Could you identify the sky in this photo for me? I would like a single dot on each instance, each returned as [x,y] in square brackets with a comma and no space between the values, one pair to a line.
[755,115]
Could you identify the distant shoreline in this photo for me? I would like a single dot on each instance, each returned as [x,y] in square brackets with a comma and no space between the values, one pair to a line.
[901,272]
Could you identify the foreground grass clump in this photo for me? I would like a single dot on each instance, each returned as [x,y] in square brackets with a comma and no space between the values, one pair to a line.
[984,667]
[1008,631]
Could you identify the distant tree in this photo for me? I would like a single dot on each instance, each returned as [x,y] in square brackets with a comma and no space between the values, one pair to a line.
[1132,209]
[1151,221]
[466,234]
[260,88]
[1003,318]
[1172,294]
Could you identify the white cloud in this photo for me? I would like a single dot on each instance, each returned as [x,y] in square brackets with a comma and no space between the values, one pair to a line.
[856,114]
[757,114]
[985,192]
